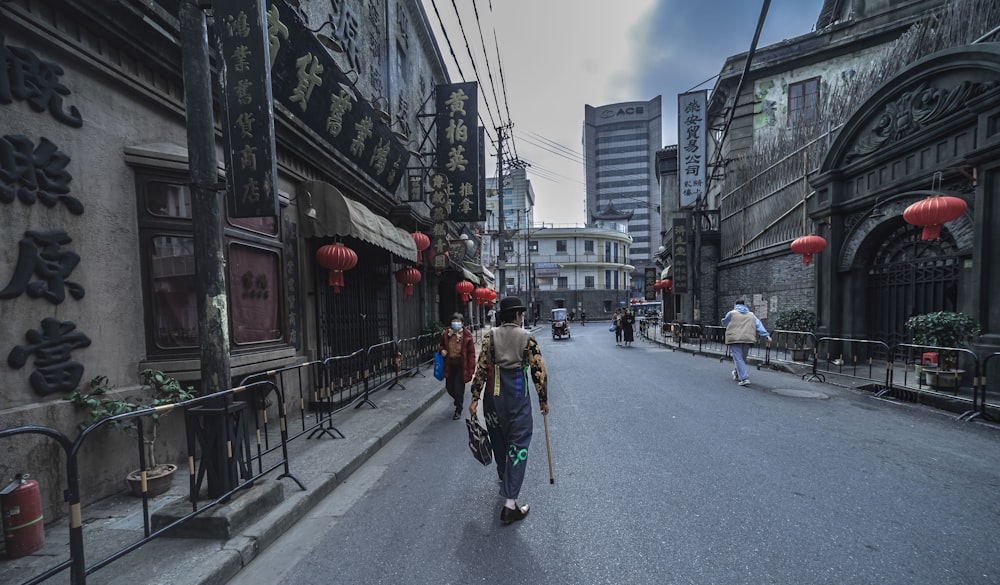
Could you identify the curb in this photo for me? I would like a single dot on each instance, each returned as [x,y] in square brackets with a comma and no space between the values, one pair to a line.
[221,567]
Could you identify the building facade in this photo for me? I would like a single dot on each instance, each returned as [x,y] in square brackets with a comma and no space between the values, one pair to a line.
[619,147]
[580,267]
[100,269]
[835,133]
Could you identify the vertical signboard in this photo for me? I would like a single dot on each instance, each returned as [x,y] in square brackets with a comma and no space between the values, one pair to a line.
[680,255]
[692,128]
[458,148]
[251,167]
[649,283]
[440,203]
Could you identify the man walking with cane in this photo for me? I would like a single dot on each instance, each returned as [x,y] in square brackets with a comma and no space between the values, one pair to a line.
[509,354]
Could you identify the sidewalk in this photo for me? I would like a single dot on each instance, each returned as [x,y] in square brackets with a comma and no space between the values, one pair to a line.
[320,464]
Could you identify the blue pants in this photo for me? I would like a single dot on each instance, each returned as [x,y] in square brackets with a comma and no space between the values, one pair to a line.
[509,424]
[740,351]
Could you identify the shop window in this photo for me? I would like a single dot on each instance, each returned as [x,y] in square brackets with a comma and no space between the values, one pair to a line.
[253,253]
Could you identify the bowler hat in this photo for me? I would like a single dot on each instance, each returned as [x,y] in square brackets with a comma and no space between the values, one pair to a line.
[511,304]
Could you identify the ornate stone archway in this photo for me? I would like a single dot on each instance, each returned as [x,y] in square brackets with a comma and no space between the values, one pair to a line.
[940,115]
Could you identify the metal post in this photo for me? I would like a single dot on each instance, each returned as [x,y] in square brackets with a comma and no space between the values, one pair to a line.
[501,255]
[206,219]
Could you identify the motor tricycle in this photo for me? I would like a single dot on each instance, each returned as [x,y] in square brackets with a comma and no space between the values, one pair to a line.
[560,324]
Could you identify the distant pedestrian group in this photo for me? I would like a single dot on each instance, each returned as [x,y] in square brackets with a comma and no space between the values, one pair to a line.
[623,323]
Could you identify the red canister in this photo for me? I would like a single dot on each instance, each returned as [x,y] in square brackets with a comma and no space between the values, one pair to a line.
[21,510]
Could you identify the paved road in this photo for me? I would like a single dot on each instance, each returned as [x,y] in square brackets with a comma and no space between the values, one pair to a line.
[667,472]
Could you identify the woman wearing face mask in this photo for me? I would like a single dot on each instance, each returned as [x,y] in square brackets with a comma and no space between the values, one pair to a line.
[459,352]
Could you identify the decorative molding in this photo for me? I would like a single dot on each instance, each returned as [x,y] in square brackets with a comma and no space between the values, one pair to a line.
[915,110]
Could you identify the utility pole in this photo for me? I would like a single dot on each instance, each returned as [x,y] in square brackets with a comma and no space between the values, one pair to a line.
[501,253]
[206,219]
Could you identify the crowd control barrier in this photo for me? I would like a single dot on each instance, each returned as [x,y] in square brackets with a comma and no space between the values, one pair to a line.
[253,424]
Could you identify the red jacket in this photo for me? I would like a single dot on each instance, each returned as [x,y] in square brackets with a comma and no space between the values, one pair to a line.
[468,354]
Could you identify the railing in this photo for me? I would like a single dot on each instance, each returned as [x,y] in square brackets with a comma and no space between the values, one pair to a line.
[898,371]
[301,399]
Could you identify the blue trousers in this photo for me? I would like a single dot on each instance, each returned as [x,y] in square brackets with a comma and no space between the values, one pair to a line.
[509,424]
[740,351]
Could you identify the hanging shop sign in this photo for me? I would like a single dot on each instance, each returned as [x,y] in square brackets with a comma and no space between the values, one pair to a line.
[680,255]
[307,82]
[248,115]
[649,284]
[692,128]
[458,146]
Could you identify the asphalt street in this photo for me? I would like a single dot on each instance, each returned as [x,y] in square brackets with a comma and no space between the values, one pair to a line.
[666,471]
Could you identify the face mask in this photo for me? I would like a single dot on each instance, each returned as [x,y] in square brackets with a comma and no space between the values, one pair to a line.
[456,325]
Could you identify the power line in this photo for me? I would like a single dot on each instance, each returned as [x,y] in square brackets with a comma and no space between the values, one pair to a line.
[486,56]
[472,59]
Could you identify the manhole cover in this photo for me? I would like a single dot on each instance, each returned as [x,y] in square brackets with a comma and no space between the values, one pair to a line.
[800,393]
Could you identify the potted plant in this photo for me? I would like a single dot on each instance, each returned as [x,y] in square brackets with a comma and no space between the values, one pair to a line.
[102,401]
[799,322]
[943,329]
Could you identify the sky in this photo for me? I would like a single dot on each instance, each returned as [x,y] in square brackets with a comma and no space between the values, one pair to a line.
[558,55]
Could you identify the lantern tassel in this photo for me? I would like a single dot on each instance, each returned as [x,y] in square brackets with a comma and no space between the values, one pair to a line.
[336,280]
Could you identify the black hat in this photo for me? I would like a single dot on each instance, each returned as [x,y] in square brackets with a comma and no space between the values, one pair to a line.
[510,305]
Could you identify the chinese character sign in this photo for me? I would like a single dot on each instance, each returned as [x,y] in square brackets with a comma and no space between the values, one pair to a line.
[680,255]
[458,146]
[691,164]
[309,84]
[649,283]
[248,124]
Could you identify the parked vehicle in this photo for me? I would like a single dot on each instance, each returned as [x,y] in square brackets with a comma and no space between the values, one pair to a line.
[560,324]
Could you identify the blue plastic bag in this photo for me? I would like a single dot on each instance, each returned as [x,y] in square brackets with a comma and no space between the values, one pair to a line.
[438,366]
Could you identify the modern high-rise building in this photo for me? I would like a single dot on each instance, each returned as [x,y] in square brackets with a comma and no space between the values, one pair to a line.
[619,148]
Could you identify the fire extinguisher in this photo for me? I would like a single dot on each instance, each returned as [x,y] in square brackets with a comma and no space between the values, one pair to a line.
[21,509]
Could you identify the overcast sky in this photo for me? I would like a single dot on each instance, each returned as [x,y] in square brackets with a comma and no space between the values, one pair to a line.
[558,55]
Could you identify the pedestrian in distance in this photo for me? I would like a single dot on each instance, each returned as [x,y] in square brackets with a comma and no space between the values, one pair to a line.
[508,357]
[491,317]
[617,320]
[628,327]
[583,317]
[742,329]
[459,352]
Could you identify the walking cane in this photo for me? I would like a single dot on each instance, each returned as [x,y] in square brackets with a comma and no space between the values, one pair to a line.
[548,449]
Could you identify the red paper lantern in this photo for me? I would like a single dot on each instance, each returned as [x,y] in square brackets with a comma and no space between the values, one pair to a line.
[667,284]
[464,288]
[408,276]
[932,212]
[807,246]
[422,242]
[336,258]
[481,295]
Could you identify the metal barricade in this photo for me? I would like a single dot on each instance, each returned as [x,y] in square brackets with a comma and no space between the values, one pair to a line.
[861,359]
[382,368]
[931,369]
[795,347]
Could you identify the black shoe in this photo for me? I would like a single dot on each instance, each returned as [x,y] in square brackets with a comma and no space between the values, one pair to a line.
[458,413]
[510,515]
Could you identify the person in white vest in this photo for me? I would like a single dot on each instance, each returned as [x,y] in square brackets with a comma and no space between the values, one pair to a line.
[742,329]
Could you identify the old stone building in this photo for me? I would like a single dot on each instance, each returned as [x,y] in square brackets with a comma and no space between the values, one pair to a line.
[835,133]
[96,197]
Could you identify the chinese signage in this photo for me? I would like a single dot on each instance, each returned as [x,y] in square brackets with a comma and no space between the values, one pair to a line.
[306,81]
[649,283]
[248,122]
[458,145]
[33,172]
[440,206]
[680,255]
[691,164]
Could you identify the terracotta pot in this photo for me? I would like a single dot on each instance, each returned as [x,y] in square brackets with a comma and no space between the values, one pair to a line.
[158,480]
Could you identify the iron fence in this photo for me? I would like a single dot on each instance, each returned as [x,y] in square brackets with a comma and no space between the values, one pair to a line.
[301,398]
